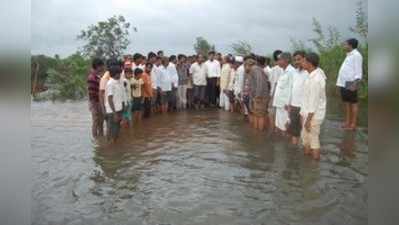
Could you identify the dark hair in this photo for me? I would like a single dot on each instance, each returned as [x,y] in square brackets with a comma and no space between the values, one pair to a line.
[138,71]
[261,60]
[172,57]
[112,62]
[97,62]
[276,54]
[211,53]
[181,56]
[267,60]
[353,42]
[313,58]
[148,64]
[300,52]
[151,54]
[137,56]
[159,52]
[249,57]
[114,70]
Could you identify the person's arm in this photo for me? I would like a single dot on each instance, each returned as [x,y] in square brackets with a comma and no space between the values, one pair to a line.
[102,103]
[358,72]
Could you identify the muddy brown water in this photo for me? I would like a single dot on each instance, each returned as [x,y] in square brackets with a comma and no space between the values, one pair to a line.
[187,168]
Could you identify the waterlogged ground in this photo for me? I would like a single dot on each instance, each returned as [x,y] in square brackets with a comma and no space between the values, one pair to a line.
[205,168]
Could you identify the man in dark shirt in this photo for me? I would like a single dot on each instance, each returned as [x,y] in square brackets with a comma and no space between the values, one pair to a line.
[93,83]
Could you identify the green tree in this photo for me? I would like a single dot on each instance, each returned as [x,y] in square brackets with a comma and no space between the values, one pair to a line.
[361,26]
[106,39]
[202,46]
[68,78]
[241,48]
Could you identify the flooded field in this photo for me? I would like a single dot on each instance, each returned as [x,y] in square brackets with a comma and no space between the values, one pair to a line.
[207,168]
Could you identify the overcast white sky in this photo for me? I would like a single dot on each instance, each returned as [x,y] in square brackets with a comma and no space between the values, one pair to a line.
[173,25]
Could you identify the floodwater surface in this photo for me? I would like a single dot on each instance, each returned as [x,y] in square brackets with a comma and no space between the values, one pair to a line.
[205,168]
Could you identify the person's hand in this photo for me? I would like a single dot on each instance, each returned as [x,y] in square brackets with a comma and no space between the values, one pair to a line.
[353,87]
[307,125]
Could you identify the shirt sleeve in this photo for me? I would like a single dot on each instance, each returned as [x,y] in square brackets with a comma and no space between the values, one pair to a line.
[110,89]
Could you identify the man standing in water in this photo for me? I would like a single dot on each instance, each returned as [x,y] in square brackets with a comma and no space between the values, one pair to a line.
[282,93]
[313,108]
[198,74]
[294,127]
[349,77]
[182,68]
[93,84]
[275,73]
[213,74]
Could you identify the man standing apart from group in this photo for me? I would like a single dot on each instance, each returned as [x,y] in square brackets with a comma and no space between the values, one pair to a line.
[282,93]
[213,74]
[313,108]
[275,73]
[349,77]
[294,127]
[225,77]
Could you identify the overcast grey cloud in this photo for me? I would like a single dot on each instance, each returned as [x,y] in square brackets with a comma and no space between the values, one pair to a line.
[173,25]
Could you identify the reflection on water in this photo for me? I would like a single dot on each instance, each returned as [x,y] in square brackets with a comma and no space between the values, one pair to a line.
[191,168]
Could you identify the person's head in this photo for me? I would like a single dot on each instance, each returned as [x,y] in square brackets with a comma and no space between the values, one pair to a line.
[200,58]
[276,54]
[181,58]
[98,65]
[267,61]
[148,67]
[128,73]
[350,44]
[299,56]
[248,64]
[284,59]
[143,60]
[219,57]
[211,55]
[137,58]
[137,73]
[160,53]
[172,59]
[158,61]
[115,71]
[261,61]
[112,62]
[165,61]
[311,61]
[152,57]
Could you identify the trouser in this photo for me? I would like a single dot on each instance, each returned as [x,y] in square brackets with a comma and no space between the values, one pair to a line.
[224,101]
[182,96]
[147,107]
[311,138]
[294,127]
[112,125]
[173,99]
[97,127]
[199,94]
[212,90]
[190,98]
[281,118]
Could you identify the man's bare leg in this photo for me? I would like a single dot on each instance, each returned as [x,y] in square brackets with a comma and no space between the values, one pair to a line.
[354,112]
[307,150]
[316,154]
[347,109]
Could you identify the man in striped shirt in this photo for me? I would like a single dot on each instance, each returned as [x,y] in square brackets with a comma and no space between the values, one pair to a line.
[93,83]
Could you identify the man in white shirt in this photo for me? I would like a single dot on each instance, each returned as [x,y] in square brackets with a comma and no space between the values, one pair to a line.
[313,107]
[225,76]
[115,98]
[174,78]
[282,93]
[198,72]
[156,99]
[165,84]
[349,77]
[294,127]
[213,74]
[274,74]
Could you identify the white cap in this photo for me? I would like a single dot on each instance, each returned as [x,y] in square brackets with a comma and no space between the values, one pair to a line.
[239,59]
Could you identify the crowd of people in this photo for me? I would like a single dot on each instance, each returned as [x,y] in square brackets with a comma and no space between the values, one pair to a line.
[287,96]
